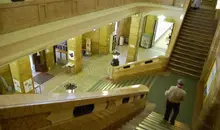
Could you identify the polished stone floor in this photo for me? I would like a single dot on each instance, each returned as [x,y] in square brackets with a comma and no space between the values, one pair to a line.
[95,68]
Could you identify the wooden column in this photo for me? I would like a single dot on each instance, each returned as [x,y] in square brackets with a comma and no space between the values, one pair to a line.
[134,37]
[75,46]
[22,75]
[104,39]
[50,58]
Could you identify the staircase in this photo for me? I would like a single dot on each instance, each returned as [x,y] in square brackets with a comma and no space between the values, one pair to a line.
[193,43]
[105,84]
[153,121]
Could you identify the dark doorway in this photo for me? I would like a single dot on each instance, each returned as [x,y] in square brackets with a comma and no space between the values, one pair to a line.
[39,60]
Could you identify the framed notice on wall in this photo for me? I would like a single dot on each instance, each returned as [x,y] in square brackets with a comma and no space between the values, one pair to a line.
[146,41]
[71,54]
[210,80]
[17,85]
[28,85]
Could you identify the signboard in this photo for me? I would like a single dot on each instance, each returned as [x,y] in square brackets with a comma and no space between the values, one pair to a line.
[71,54]
[28,85]
[17,85]
[88,46]
[210,79]
[146,41]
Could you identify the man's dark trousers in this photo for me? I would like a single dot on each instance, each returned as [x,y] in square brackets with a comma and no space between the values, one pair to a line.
[169,107]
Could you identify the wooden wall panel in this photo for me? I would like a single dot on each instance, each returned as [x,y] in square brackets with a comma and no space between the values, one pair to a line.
[128,1]
[59,10]
[118,2]
[19,17]
[103,4]
[84,6]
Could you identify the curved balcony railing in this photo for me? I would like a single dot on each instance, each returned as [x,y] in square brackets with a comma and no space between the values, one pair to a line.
[19,15]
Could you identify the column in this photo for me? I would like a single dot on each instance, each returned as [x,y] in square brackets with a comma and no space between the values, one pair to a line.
[149,26]
[124,27]
[22,75]
[74,46]
[104,39]
[134,37]
[50,61]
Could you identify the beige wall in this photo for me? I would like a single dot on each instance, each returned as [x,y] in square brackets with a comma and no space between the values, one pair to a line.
[94,36]
[50,61]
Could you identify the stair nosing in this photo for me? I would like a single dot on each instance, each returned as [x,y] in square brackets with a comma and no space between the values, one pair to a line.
[175,60]
[195,52]
[183,41]
[195,48]
[189,69]
[188,55]
[197,62]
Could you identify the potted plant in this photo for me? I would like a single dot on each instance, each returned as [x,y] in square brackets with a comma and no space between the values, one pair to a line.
[70,87]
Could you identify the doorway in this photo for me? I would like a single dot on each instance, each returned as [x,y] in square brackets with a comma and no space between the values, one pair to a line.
[162,34]
[155,38]
[61,53]
[38,62]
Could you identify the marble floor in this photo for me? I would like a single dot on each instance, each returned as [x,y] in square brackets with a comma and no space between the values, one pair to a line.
[94,68]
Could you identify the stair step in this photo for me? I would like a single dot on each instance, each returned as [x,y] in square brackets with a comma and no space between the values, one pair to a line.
[196,53]
[191,42]
[187,60]
[183,72]
[193,29]
[196,37]
[198,21]
[192,57]
[202,14]
[157,123]
[210,28]
[200,17]
[197,33]
[97,86]
[159,117]
[201,11]
[186,64]
[201,24]
[192,47]
[185,69]
[105,87]
[153,124]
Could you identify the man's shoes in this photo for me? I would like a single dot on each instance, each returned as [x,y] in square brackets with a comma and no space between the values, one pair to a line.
[172,123]
[165,119]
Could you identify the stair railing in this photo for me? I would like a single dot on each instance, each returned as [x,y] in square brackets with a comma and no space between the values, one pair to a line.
[148,66]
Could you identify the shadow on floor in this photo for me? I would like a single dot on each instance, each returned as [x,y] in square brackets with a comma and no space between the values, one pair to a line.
[42,77]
